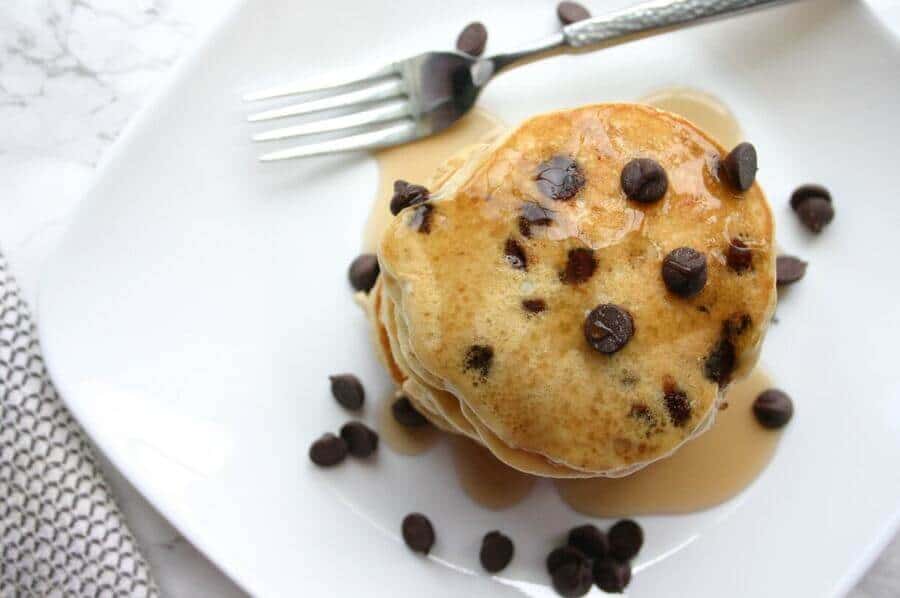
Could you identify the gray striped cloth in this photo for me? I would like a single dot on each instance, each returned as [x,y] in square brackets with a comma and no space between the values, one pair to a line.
[61,533]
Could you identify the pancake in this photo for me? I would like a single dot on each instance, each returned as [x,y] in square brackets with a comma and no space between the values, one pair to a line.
[496,232]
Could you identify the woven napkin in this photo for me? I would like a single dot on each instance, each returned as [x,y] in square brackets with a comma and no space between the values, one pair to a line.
[61,533]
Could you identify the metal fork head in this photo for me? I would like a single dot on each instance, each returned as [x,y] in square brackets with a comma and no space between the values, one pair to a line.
[395,104]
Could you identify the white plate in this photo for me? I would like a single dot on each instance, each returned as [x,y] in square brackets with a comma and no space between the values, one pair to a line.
[194,310]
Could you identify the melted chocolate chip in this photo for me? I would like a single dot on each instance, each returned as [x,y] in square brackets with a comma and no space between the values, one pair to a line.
[534,306]
[719,363]
[496,551]
[407,194]
[534,214]
[418,533]
[625,539]
[361,440]
[472,39]
[479,358]
[515,255]
[644,180]
[815,213]
[589,540]
[736,325]
[608,328]
[364,272]
[789,269]
[328,450]
[580,266]
[678,406]
[612,576]
[564,555]
[809,191]
[406,414]
[421,218]
[348,391]
[773,408]
[559,178]
[684,271]
[738,256]
[739,166]
[571,12]
[573,579]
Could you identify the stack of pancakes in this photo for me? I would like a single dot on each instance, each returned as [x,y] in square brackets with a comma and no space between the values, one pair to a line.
[479,312]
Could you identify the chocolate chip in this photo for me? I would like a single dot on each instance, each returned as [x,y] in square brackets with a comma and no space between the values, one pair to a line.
[678,406]
[580,266]
[496,551]
[739,166]
[564,555]
[815,213]
[418,533]
[738,256]
[644,180]
[348,391]
[559,178]
[479,358]
[573,579]
[407,194]
[534,214]
[472,39]
[515,255]
[364,272]
[421,218]
[789,269]
[589,540]
[804,192]
[571,12]
[328,450]
[720,362]
[406,414]
[361,440]
[611,576]
[684,271]
[608,328]
[736,325]
[773,408]
[534,306]
[625,539]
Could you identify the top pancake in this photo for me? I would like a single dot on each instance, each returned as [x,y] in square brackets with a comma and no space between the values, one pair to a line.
[543,389]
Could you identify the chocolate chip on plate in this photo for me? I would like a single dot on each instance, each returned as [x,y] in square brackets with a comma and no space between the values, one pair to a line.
[789,269]
[472,39]
[644,180]
[815,213]
[418,533]
[580,266]
[625,539]
[720,362]
[739,166]
[328,450]
[515,255]
[590,540]
[406,414]
[421,218]
[559,178]
[611,576]
[348,391]
[361,440]
[563,556]
[479,358]
[773,408]
[678,406]
[573,579]
[808,191]
[364,272]
[684,271]
[571,12]
[496,551]
[608,328]
[534,306]
[406,194]
[738,256]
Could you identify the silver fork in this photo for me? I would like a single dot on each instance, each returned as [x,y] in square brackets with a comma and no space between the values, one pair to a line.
[422,95]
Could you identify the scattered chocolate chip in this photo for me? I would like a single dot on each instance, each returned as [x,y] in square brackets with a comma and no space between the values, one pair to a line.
[571,12]
[589,540]
[736,325]
[580,266]
[348,391]
[421,218]
[643,413]
[407,194]
[625,539]
[644,180]
[612,576]
[496,551]
[559,178]
[328,450]
[773,408]
[608,328]
[418,533]
[406,414]
[815,213]
[534,214]
[573,579]
[534,306]
[739,166]
[364,272]
[809,191]
[738,256]
[678,406]
[515,255]
[479,358]
[472,39]
[684,271]
[789,269]
[564,555]
[720,362]
[361,440]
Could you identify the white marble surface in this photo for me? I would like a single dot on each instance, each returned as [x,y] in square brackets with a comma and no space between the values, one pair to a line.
[72,72]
